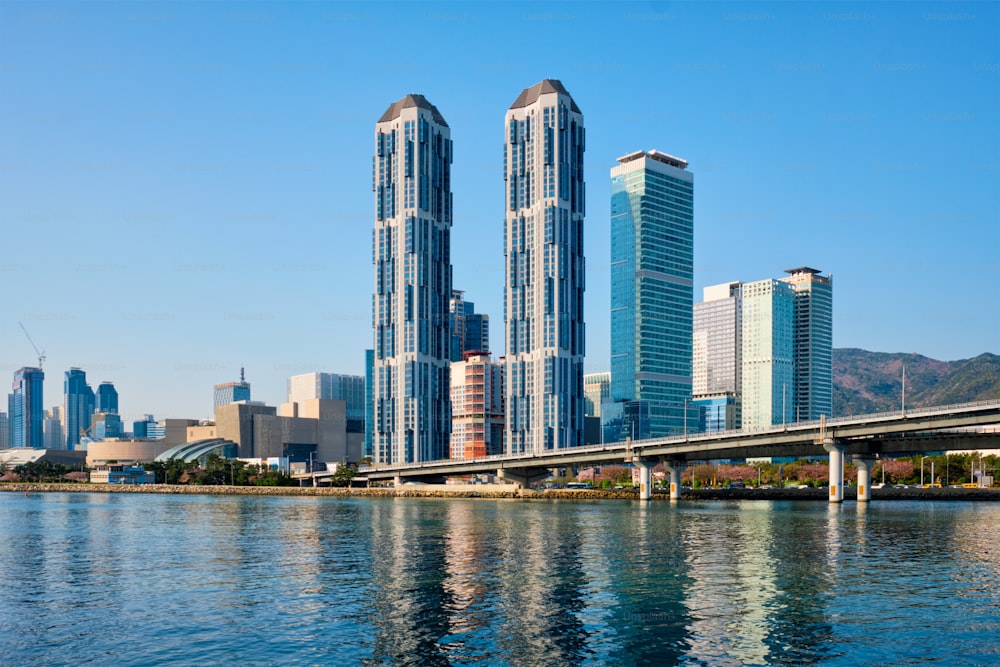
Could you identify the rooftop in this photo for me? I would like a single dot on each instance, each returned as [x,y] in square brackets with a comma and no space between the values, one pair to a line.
[412,101]
[659,156]
[530,95]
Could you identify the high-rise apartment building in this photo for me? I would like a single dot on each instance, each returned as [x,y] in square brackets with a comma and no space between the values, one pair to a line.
[107,398]
[4,431]
[470,331]
[78,406]
[717,356]
[543,293]
[24,407]
[652,271]
[767,385]
[813,343]
[412,257]
[367,448]
[332,386]
[477,407]
[232,392]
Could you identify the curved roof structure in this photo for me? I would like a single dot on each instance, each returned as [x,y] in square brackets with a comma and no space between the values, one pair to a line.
[199,449]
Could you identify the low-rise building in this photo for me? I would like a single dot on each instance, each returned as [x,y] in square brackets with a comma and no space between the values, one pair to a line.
[120,473]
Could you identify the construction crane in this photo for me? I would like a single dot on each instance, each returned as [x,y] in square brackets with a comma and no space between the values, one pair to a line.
[41,355]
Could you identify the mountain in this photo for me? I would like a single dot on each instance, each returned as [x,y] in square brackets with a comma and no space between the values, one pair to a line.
[866,382]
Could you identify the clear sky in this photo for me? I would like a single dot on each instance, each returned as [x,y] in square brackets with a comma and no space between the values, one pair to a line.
[186,188]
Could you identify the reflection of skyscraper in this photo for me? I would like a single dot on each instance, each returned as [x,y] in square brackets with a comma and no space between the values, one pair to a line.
[412,256]
[25,408]
[652,271]
[543,244]
[79,403]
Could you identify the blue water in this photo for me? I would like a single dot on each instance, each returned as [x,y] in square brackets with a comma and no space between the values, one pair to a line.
[150,579]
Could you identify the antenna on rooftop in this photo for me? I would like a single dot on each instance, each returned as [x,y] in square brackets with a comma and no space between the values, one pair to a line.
[41,355]
[242,377]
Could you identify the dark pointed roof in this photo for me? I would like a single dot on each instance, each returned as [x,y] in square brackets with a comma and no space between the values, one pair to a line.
[410,101]
[530,95]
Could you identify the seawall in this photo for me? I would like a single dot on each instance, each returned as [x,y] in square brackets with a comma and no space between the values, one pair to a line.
[500,491]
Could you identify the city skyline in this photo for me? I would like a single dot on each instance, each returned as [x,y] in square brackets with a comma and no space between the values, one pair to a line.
[218,196]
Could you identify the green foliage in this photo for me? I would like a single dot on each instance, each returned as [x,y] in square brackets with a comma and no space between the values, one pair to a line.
[343,475]
[42,471]
[866,382]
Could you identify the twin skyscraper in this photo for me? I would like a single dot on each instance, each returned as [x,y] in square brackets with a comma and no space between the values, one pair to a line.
[544,143]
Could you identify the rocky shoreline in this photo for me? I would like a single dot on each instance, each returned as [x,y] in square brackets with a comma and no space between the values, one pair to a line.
[493,492]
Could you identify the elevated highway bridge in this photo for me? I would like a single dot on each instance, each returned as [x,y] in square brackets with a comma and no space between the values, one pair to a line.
[862,438]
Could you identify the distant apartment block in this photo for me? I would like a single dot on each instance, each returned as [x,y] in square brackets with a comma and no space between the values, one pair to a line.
[477,407]
[470,331]
[763,351]
[332,386]
[717,356]
[596,390]
[813,342]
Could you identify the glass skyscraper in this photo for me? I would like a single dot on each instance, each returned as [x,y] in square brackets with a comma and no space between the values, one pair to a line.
[107,398]
[543,292]
[78,406]
[768,354]
[411,252]
[24,404]
[652,272]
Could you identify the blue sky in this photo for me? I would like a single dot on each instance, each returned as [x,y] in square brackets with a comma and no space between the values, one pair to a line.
[186,188]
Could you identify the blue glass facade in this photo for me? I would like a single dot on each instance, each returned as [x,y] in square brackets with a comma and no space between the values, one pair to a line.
[411,253]
[26,414]
[368,449]
[107,398]
[652,271]
[231,392]
[544,145]
[79,403]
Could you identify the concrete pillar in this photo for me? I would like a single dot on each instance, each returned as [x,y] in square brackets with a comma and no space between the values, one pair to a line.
[836,470]
[645,488]
[864,464]
[675,468]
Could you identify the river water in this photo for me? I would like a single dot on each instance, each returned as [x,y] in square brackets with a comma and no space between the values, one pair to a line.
[241,580]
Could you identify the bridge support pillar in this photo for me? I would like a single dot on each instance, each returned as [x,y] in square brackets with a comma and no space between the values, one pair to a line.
[645,466]
[675,468]
[864,464]
[523,477]
[397,482]
[836,470]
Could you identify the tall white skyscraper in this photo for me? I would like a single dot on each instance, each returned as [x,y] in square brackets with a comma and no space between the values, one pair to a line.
[717,355]
[411,251]
[543,293]
[768,354]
